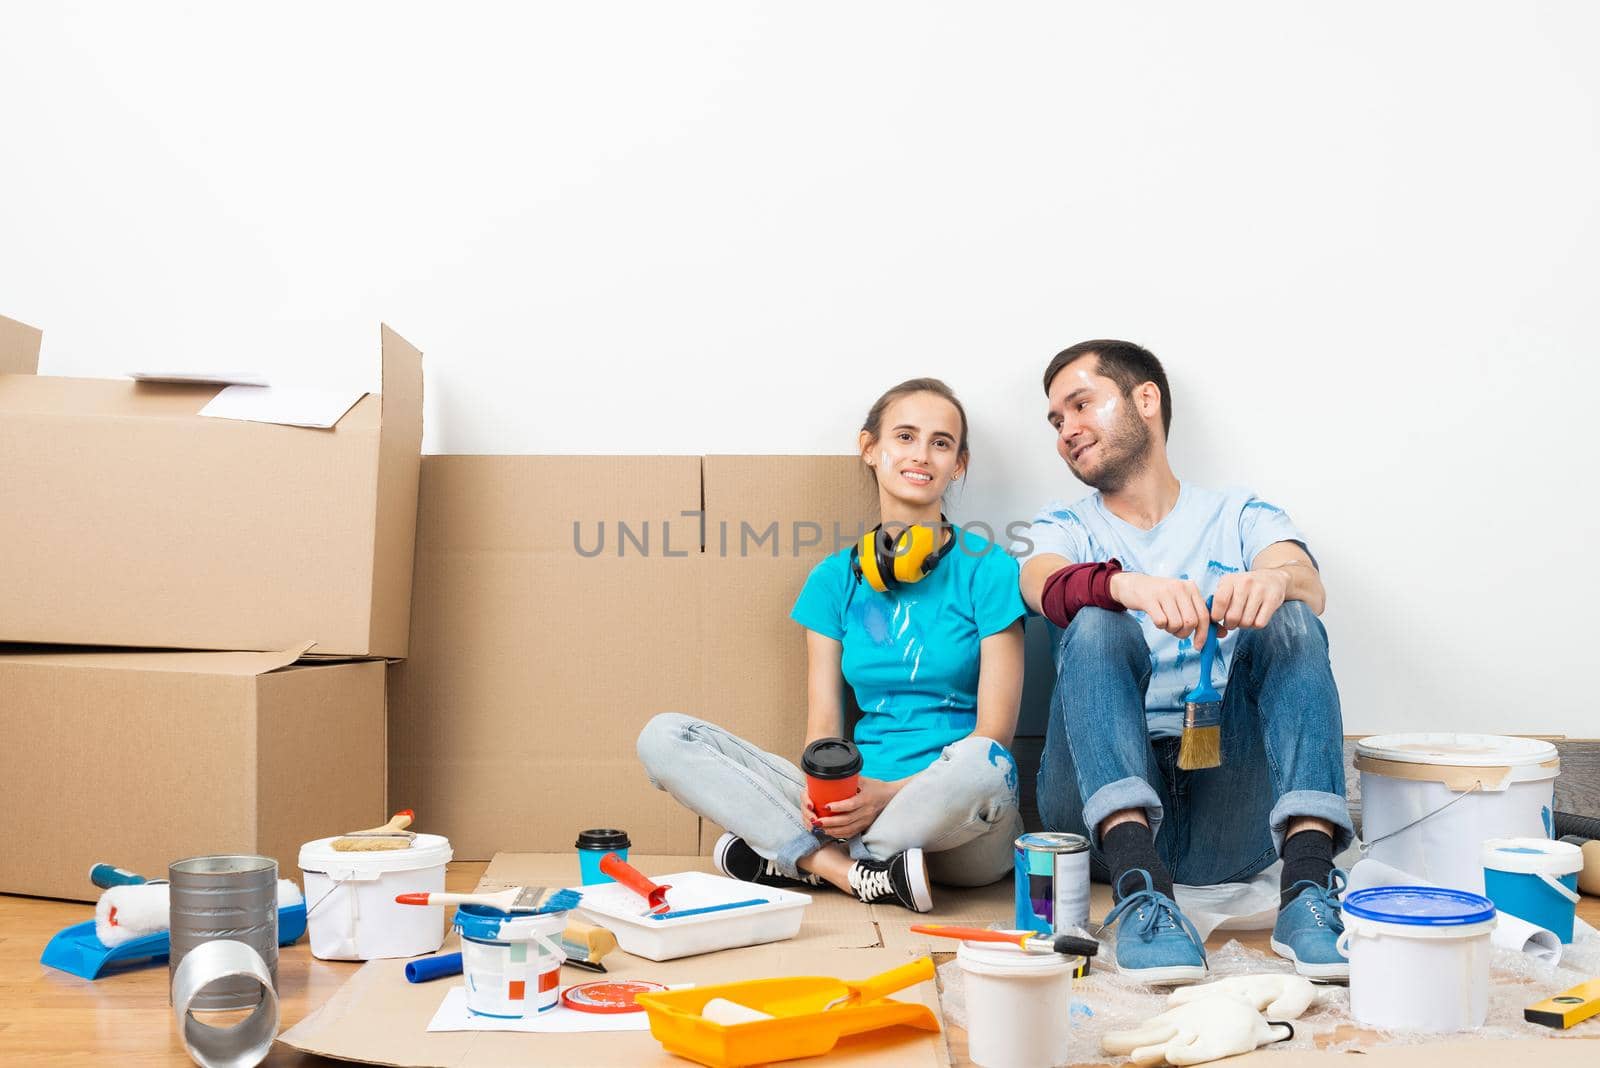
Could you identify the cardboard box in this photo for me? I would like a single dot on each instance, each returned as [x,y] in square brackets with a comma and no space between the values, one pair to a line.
[542,644]
[131,520]
[534,667]
[141,758]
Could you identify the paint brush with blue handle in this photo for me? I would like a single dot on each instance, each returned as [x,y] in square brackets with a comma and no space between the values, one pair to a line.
[1201,746]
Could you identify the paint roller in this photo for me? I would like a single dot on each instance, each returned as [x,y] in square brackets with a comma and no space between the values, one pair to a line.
[1583,832]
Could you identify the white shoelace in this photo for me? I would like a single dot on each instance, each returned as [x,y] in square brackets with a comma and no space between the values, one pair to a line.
[772,871]
[870,883]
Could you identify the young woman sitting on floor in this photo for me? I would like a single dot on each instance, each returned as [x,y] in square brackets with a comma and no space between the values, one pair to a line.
[936,666]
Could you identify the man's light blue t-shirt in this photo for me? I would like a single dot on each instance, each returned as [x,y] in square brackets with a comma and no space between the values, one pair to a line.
[912,655]
[1207,534]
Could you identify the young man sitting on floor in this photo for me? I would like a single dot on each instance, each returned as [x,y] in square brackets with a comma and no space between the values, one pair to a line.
[1125,574]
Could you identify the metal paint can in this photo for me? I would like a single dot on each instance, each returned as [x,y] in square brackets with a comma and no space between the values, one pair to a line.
[224,897]
[1052,882]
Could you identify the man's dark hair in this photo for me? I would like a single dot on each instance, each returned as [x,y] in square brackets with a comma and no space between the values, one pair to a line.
[1126,364]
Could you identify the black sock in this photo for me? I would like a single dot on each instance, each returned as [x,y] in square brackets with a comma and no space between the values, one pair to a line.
[1307,855]
[1129,846]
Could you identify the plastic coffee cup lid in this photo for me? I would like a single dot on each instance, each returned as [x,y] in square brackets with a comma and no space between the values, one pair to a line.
[608,995]
[606,838]
[831,758]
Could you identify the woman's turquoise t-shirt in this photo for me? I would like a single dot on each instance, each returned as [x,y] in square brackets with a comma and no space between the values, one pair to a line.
[912,655]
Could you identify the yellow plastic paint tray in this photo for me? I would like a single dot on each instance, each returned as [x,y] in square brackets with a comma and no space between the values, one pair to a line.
[802,1024]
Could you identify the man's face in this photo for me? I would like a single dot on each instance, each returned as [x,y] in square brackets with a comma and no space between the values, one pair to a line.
[1098,431]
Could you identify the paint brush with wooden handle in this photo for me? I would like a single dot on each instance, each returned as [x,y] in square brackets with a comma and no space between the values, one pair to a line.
[1033,942]
[392,835]
[1201,746]
[531,899]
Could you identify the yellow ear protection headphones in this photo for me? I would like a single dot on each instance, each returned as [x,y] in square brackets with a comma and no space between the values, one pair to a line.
[887,562]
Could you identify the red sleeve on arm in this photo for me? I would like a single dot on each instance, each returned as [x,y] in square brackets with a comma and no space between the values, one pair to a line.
[1078,586]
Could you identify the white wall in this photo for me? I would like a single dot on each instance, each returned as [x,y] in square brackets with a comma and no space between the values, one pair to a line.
[1363,237]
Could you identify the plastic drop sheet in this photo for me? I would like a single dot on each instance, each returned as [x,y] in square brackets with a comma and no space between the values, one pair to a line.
[1106,1001]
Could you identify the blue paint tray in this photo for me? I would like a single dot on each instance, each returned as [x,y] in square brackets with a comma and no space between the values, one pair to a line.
[76,951]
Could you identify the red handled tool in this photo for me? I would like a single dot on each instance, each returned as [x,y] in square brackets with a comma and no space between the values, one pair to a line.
[637,881]
[1071,945]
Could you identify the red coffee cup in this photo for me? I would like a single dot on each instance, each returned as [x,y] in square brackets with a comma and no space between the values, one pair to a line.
[833,772]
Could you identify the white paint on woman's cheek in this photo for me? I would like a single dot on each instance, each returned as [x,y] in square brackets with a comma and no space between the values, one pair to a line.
[883,459]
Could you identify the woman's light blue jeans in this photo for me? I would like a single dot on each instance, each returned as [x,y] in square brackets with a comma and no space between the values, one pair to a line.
[1282,747]
[961,809]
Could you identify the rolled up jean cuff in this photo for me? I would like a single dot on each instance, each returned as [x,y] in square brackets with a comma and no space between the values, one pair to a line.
[1132,792]
[793,851]
[1318,804]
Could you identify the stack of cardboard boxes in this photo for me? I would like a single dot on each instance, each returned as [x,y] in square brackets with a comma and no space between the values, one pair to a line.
[196,616]
[209,643]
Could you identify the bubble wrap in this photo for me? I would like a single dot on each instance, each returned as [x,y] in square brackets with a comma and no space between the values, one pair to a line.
[1105,1001]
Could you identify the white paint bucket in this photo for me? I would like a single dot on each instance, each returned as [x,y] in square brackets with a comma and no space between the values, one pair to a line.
[511,961]
[351,910]
[1428,801]
[1419,957]
[1019,1005]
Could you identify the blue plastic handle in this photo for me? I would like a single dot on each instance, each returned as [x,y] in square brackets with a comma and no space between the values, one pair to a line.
[1205,693]
[426,969]
[105,876]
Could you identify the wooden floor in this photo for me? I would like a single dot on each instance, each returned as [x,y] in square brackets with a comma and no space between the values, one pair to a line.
[49,1017]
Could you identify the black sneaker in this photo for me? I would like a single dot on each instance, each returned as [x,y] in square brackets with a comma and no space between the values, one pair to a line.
[902,879]
[734,858]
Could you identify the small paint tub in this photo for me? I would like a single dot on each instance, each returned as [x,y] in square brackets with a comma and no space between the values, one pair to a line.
[1428,801]
[351,910]
[511,961]
[1534,879]
[1419,957]
[1019,1005]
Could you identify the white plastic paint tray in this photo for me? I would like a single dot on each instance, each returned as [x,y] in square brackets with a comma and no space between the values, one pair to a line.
[620,910]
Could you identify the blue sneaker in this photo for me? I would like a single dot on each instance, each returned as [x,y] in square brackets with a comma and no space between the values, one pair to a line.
[1308,930]
[1155,942]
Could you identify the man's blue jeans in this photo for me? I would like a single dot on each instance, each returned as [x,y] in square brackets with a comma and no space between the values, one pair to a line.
[1282,747]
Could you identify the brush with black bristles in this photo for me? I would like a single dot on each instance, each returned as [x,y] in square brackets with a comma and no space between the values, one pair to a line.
[1201,746]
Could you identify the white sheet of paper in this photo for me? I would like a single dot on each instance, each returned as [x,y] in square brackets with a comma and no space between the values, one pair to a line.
[288,405]
[453,1016]
[202,378]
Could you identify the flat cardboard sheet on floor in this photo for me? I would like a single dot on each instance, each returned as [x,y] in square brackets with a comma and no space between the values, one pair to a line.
[379,1018]
[143,758]
[131,520]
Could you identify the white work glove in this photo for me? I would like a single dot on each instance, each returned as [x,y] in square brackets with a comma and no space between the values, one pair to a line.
[1277,995]
[1204,1030]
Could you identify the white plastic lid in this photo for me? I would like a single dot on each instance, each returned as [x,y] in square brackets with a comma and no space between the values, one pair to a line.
[427,851]
[998,958]
[1458,750]
[1532,856]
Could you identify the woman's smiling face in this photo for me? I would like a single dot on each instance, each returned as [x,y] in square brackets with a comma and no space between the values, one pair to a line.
[917,453]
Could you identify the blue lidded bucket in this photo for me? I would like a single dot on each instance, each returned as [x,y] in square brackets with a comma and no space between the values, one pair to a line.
[1534,879]
[1403,942]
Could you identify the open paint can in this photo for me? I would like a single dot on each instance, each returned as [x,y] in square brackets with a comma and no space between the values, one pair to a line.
[511,961]
[1419,957]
